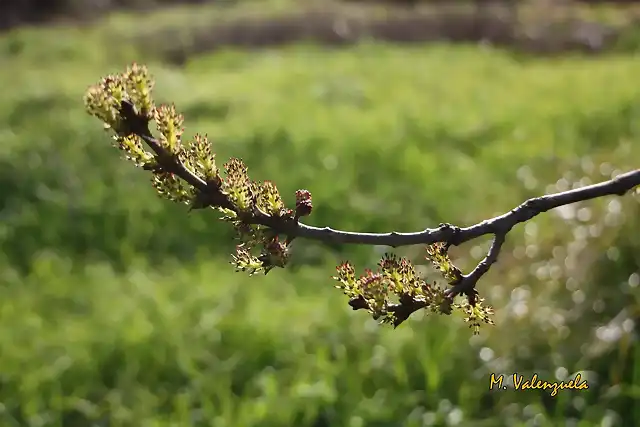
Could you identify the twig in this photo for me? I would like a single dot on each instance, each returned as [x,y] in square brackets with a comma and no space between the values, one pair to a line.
[468,281]
[498,226]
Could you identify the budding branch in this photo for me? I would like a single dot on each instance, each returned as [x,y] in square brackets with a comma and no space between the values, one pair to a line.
[499,226]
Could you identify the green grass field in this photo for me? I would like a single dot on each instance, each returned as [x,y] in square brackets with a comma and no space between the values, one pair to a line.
[119,308]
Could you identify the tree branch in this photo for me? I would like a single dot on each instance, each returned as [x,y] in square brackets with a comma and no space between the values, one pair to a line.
[451,234]
[619,185]
[500,226]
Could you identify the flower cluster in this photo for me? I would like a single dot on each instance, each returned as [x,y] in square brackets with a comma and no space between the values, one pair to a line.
[186,171]
[395,290]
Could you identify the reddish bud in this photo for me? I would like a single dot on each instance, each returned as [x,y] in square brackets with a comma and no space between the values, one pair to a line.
[304,205]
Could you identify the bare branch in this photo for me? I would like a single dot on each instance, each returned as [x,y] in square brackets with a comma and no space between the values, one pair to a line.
[619,185]
[468,282]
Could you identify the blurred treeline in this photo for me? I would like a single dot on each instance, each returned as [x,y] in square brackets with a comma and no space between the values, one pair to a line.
[17,12]
[526,25]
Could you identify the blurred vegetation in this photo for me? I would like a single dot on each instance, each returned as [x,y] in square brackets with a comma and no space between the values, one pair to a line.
[539,26]
[17,12]
[120,309]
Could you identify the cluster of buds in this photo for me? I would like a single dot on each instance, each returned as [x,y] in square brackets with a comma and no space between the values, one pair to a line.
[186,172]
[393,292]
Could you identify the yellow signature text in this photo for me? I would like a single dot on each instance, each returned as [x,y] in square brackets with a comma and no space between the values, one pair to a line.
[533,383]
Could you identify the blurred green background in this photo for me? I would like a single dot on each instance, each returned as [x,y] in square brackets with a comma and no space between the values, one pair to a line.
[119,308]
